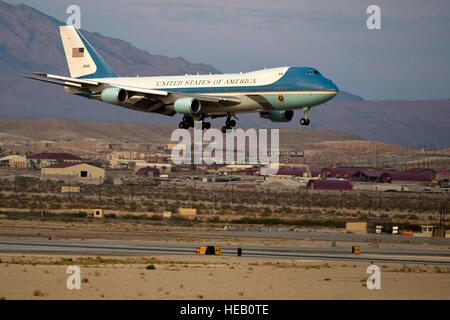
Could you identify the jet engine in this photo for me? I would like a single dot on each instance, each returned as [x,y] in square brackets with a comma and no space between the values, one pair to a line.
[278,116]
[114,95]
[187,105]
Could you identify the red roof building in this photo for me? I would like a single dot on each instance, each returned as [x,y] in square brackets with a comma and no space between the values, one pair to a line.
[42,160]
[367,175]
[341,173]
[441,175]
[289,171]
[63,165]
[429,172]
[315,173]
[403,177]
[329,185]
[148,172]
[55,156]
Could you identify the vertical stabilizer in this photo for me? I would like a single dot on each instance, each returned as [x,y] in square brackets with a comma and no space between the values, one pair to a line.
[82,59]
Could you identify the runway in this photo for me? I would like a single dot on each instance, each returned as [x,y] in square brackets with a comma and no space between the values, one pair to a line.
[134,248]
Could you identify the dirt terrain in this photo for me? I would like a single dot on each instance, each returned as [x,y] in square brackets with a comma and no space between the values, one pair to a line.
[187,277]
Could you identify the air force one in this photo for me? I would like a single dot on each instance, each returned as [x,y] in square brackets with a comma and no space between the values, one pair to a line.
[274,93]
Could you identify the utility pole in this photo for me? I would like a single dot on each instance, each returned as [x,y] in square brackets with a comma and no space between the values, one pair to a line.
[232,196]
[213,210]
[69,187]
[379,201]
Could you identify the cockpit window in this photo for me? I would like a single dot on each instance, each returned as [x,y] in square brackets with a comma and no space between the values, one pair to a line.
[313,72]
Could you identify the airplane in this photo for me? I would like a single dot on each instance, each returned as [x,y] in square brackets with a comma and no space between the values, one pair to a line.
[272,92]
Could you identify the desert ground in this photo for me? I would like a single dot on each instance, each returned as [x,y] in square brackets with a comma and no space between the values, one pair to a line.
[212,277]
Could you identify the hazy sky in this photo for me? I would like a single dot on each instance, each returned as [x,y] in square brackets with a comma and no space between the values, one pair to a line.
[407,59]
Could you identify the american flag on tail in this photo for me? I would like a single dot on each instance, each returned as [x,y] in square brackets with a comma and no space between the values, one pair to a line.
[77,52]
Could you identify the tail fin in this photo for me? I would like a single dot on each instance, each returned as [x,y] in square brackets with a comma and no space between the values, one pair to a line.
[82,59]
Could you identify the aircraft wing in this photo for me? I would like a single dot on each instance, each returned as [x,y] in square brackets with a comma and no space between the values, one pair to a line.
[148,100]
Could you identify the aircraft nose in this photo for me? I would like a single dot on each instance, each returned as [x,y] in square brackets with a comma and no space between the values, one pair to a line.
[332,87]
[331,90]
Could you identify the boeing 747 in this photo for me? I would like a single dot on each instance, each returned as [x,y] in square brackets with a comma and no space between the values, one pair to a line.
[273,93]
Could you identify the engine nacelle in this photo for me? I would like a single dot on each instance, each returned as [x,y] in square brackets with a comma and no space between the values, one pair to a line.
[187,105]
[278,116]
[114,95]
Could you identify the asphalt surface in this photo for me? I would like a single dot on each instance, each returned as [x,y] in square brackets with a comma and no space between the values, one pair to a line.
[129,248]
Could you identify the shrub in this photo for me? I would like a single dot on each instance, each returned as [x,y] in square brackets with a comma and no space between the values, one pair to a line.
[150,267]
[37,293]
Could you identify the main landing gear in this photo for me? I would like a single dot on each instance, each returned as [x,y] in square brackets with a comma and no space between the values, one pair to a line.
[188,122]
[229,123]
[305,121]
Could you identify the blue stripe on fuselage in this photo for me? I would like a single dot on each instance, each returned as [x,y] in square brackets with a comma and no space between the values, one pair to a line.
[295,79]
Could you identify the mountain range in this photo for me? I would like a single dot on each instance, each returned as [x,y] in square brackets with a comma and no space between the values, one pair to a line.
[29,41]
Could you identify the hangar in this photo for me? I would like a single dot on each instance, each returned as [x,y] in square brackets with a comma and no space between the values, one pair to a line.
[81,170]
[404,178]
[429,172]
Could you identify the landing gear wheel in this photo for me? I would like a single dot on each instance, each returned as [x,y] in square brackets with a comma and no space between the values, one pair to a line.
[181,125]
[188,122]
[206,125]
[304,122]
[229,123]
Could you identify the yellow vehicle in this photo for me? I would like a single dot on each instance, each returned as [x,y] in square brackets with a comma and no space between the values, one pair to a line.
[210,250]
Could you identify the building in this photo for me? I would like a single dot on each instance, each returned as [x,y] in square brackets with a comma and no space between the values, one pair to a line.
[45,144]
[235,167]
[41,160]
[429,172]
[341,173]
[294,171]
[442,175]
[315,173]
[164,168]
[356,227]
[404,178]
[187,211]
[98,213]
[70,189]
[14,161]
[145,147]
[367,175]
[285,181]
[113,146]
[148,172]
[329,185]
[74,169]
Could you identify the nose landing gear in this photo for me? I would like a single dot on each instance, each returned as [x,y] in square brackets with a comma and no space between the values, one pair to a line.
[305,121]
